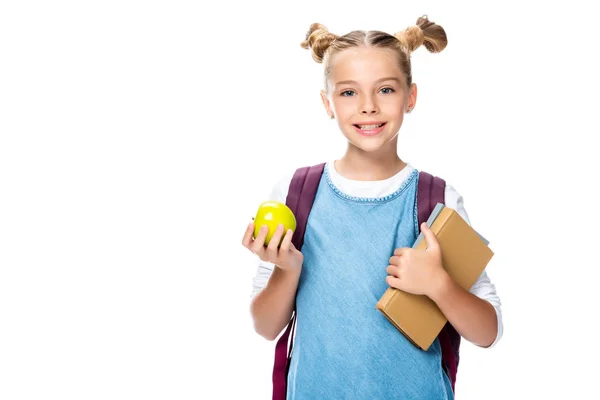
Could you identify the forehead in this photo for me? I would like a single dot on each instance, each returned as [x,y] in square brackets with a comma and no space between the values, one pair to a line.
[364,64]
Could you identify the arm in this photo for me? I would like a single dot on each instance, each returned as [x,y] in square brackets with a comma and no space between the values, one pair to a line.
[475,314]
[271,308]
[483,289]
[473,318]
[277,277]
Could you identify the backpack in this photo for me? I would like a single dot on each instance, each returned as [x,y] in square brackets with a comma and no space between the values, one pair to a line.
[301,195]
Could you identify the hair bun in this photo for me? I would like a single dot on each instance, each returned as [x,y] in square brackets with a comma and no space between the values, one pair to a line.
[425,33]
[318,39]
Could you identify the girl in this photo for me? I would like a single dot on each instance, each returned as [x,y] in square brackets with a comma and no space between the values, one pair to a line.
[358,238]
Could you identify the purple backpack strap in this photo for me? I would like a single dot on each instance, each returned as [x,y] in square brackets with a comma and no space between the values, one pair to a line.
[300,198]
[430,192]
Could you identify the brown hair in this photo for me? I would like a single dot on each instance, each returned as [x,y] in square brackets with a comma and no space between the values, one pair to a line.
[325,44]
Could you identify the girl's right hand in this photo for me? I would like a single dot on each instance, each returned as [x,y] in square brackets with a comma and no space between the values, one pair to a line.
[286,257]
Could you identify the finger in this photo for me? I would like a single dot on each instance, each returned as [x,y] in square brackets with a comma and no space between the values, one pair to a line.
[393,281]
[287,244]
[430,238]
[401,251]
[247,240]
[395,260]
[276,239]
[393,270]
[259,242]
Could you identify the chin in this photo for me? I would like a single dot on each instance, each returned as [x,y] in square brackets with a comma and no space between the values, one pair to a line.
[371,146]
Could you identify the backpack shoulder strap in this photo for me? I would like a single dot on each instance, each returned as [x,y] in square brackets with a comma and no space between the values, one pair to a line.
[300,198]
[430,191]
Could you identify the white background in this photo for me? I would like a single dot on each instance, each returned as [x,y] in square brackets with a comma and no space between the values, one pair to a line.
[138,138]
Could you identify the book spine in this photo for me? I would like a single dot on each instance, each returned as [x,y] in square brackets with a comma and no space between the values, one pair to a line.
[386,299]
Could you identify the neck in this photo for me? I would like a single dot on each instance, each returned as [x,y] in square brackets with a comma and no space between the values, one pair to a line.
[360,165]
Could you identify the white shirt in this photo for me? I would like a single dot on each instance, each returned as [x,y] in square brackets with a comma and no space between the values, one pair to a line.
[482,288]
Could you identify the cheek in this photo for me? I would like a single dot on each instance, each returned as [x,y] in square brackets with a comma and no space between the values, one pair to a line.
[344,108]
[393,108]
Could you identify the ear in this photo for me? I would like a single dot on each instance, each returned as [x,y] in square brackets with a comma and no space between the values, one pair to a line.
[412,97]
[327,104]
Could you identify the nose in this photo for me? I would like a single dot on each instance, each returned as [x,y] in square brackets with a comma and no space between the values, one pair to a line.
[369,106]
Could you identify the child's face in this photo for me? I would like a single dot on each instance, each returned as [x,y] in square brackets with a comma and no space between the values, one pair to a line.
[367,89]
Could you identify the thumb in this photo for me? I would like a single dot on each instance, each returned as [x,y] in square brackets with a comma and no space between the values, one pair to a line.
[430,239]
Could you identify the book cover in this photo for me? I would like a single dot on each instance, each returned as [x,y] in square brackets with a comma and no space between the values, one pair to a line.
[465,254]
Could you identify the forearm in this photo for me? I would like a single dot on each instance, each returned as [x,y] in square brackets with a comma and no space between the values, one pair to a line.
[473,318]
[272,307]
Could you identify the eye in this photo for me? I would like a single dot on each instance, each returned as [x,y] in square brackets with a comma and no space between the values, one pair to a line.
[347,93]
[387,90]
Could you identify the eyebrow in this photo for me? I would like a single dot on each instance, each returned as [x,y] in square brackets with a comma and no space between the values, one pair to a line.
[390,78]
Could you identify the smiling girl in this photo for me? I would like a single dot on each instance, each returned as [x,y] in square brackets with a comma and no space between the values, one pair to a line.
[362,222]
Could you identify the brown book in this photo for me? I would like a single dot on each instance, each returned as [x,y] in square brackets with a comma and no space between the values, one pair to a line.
[465,255]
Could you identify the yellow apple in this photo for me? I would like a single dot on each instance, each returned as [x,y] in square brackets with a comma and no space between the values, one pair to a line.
[272,213]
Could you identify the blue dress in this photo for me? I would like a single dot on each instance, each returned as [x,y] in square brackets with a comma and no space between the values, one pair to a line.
[344,347]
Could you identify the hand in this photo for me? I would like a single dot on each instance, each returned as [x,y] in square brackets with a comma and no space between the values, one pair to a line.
[418,271]
[286,257]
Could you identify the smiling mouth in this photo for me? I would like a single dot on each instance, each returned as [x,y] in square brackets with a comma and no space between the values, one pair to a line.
[369,127]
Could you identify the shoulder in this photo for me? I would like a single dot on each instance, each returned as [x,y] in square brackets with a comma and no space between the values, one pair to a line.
[453,199]
[281,187]
[451,195]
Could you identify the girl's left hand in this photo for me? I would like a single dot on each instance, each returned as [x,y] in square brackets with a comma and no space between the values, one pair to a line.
[417,271]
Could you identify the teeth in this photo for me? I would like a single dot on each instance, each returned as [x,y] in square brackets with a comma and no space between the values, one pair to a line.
[369,127]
